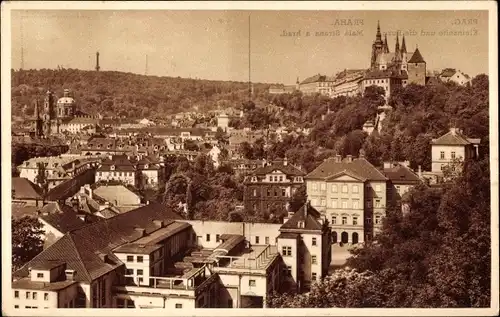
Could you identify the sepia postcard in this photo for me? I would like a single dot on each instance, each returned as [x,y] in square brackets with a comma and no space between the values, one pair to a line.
[249,158]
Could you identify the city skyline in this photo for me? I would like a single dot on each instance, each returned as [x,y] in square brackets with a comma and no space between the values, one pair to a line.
[213,45]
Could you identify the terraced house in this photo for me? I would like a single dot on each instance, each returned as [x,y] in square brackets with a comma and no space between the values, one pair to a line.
[352,194]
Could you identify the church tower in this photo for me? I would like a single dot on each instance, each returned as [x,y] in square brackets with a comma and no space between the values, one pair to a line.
[386,44]
[404,55]
[377,47]
[38,121]
[49,115]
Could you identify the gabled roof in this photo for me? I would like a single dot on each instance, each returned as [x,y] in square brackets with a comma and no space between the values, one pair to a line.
[358,166]
[455,138]
[448,72]
[23,188]
[401,174]
[308,215]
[348,173]
[81,248]
[416,57]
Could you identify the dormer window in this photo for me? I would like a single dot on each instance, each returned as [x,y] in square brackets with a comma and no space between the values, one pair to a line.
[112,167]
[301,224]
[146,166]
[99,146]
[254,179]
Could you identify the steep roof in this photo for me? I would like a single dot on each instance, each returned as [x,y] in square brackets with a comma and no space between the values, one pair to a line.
[23,188]
[68,220]
[81,248]
[308,215]
[358,166]
[455,138]
[448,72]
[416,57]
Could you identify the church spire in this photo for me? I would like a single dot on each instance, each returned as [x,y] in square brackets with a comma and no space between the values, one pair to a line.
[403,45]
[37,113]
[397,44]
[386,44]
[379,35]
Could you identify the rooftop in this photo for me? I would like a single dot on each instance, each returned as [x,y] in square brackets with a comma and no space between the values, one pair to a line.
[359,167]
[26,283]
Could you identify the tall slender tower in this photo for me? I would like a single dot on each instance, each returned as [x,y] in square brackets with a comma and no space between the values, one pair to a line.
[97,67]
[38,121]
[377,47]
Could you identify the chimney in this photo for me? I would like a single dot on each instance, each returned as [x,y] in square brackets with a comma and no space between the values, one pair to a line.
[104,257]
[338,158]
[349,158]
[387,165]
[142,231]
[158,223]
[70,275]
[285,162]
[453,131]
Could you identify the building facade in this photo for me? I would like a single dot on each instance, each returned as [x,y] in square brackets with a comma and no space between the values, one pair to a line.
[351,194]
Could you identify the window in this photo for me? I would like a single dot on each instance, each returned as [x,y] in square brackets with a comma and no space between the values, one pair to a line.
[35,295]
[368,220]
[130,258]
[355,189]
[283,192]
[257,240]
[315,186]
[377,219]
[442,155]
[344,203]
[453,155]
[140,272]
[334,188]
[314,259]
[354,221]
[344,220]
[140,259]
[378,188]
[314,242]
[355,204]
[344,189]
[208,237]
[140,280]
[46,296]
[289,270]
[28,295]
[16,306]
[398,189]
[251,283]
[334,203]
[267,240]
[314,276]
[377,203]
[334,220]
[369,204]
[130,272]
[255,192]
[323,202]
[323,186]
[178,305]
[281,178]
[287,251]
[16,294]
[39,275]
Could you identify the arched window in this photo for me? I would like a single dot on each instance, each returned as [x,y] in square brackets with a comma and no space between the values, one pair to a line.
[355,238]
[334,237]
[344,237]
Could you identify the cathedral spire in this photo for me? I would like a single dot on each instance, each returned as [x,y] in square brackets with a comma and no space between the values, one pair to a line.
[379,35]
[397,44]
[386,44]
[403,45]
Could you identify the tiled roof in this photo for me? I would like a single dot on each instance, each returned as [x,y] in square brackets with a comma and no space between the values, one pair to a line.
[388,73]
[358,166]
[27,283]
[401,174]
[416,57]
[80,249]
[448,72]
[316,78]
[25,189]
[20,210]
[288,169]
[308,215]
[68,220]
[456,138]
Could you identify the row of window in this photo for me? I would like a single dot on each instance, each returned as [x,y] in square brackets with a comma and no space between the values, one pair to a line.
[443,157]
[140,258]
[28,307]
[274,192]
[257,239]
[355,222]
[287,271]
[32,295]
[139,272]
[334,188]
[117,174]
[334,203]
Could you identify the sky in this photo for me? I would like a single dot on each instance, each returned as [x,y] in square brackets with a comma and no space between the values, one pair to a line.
[215,44]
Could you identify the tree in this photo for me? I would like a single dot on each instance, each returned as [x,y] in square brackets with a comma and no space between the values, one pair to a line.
[26,240]
[221,136]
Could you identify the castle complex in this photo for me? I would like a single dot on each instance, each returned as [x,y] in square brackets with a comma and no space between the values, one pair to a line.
[388,70]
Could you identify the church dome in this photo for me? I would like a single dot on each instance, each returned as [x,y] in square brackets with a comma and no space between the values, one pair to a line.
[66,99]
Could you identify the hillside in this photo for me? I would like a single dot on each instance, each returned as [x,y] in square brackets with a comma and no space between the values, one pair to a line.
[125,94]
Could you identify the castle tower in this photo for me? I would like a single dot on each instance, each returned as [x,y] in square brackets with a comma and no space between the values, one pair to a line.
[97,67]
[377,48]
[417,69]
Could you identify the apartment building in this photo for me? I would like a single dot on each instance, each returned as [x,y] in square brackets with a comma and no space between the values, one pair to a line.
[270,187]
[401,179]
[150,258]
[352,194]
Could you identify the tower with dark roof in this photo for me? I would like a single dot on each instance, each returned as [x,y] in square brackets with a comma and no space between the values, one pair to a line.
[38,121]
[377,47]
[417,69]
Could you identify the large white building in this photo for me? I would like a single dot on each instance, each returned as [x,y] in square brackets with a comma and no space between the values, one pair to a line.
[150,258]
